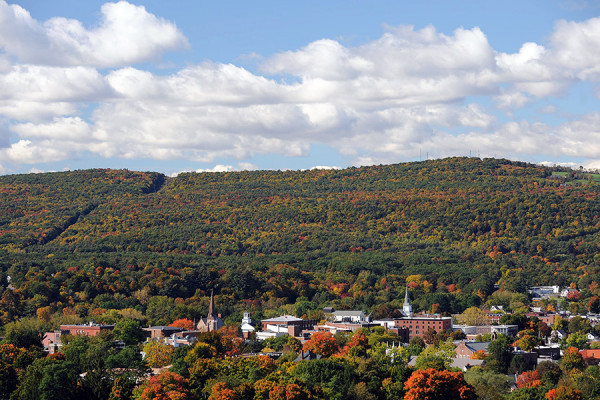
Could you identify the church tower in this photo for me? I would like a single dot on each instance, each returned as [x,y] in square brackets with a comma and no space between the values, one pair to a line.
[213,321]
[407,307]
[210,318]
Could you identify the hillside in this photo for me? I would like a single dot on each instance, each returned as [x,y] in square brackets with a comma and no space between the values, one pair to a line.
[453,227]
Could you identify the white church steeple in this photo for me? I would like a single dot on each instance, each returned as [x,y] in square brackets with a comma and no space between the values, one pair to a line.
[407,307]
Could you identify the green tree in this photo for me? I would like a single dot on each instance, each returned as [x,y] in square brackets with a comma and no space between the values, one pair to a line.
[129,331]
[499,355]
[488,385]
[437,357]
[578,324]
[48,379]
[577,339]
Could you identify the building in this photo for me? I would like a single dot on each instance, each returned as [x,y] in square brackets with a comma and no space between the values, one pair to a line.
[89,329]
[213,321]
[590,356]
[547,318]
[418,325]
[467,349]
[472,331]
[247,327]
[407,307]
[544,292]
[161,331]
[284,325]
[349,316]
[52,340]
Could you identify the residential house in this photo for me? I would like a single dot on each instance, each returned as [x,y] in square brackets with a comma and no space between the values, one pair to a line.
[466,349]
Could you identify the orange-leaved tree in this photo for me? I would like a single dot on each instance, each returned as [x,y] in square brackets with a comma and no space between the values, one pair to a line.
[166,386]
[431,384]
[564,393]
[220,391]
[290,391]
[357,346]
[184,323]
[322,343]
[529,379]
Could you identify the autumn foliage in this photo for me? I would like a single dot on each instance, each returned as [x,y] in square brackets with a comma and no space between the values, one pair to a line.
[431,384]
[564,393]
[184,323]
[529,379]
[322,343]
[166,386]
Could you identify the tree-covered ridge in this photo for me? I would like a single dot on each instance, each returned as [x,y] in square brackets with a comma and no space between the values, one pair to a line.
[491,205]
[353,238]
[36,208]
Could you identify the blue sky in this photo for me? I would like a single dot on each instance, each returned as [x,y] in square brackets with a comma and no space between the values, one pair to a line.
[194,85]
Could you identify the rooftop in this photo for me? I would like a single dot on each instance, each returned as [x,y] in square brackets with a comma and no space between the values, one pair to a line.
[283,318]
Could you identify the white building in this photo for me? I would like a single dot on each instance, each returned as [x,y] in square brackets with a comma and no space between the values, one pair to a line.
[349,316]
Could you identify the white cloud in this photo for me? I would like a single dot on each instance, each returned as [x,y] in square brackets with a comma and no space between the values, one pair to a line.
[325,167]
[407,92]
[576,47]
[126,34]
[72,129]
[28,152]
[218,168]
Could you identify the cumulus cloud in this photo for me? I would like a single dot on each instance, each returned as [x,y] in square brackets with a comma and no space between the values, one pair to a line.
[406,93]
[576,47]
[127,34]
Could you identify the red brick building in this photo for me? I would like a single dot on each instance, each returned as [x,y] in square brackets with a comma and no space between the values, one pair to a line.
[417,325]
[90,329]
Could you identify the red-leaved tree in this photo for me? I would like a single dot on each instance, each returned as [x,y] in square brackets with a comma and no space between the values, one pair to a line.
[184,323]
[431,384]
[322,343]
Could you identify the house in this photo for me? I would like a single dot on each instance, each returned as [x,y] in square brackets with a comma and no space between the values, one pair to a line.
[51,341]
[387,323]
[590,356]
[466,364]
[550,353]
[592,337]
[557,335]
[467,349]
[178,340]
[461,363]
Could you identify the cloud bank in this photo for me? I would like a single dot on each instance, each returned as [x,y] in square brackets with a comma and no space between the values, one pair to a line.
[66,91]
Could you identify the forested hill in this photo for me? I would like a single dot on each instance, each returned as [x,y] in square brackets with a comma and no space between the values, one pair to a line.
[453,228]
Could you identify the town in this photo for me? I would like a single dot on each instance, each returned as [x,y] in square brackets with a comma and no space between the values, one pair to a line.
[535,337]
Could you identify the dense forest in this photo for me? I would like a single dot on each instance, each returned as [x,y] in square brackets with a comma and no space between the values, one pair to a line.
[455,230]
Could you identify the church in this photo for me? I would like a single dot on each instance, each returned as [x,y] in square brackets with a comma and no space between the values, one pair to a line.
[212,322]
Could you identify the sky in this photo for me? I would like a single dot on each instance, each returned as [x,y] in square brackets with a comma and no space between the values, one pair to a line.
[243,85]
